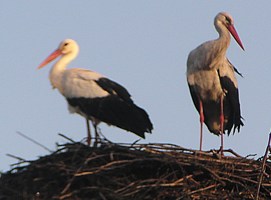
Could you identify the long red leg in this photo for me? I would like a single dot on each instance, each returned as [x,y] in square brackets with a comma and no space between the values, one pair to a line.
[201,119]
[88,133]
[96,133]
[221,123]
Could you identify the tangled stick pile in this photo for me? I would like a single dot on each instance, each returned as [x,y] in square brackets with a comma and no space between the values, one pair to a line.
[138,171]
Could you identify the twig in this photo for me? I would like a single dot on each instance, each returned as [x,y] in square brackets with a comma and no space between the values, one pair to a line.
[34,141]
[203,189]
[103,167]
[67,187]
[250,155]
[65,196]
[16,157]
[67,138]
[263,167]
[232,152]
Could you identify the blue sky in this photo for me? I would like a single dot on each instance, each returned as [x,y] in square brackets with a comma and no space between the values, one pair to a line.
[142,45]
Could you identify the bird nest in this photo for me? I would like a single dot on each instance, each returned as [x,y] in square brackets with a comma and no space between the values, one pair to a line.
[136,171]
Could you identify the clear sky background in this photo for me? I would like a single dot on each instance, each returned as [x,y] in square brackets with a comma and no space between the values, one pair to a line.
[140,44]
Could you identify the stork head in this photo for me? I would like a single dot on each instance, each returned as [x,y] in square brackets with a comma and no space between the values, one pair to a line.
[224,19]
[67,48]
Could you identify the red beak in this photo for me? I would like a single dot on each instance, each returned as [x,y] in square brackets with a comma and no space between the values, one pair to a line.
[50,58]
[235,35]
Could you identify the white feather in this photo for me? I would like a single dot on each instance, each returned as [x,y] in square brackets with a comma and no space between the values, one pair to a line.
[78,83]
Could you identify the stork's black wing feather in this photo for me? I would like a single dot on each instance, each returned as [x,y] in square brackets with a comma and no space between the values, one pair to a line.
[116,109]
[232,96]
[112,110]
[114,88]
[194,96]
[235,69]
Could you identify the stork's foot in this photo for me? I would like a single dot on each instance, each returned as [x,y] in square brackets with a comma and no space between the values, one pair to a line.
[220,151]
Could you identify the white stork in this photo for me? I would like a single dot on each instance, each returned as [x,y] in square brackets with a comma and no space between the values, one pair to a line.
[212,82]
[94,96]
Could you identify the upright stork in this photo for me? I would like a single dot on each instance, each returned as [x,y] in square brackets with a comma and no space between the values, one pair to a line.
[212,82]
[94,96]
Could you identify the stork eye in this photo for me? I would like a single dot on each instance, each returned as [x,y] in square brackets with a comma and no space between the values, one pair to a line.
[228,20]
[66,44]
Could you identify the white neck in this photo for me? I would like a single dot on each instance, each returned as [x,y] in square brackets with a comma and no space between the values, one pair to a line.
[223,42]
[56,73]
